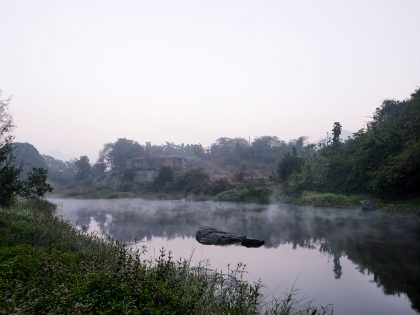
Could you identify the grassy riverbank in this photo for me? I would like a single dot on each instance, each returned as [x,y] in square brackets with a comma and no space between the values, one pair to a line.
[256,193]
[237,192]
[48,266]
[317,199]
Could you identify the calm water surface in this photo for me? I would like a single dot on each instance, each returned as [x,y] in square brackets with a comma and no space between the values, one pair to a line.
[361,263]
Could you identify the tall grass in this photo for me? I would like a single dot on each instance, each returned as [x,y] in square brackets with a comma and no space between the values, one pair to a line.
[48,266]
[317,199]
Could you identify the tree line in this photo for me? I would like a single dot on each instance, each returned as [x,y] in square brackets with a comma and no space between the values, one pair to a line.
[262,153]
[382,159]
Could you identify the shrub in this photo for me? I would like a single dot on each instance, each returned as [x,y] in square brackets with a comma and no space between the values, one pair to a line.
[193,182]
[219,185]
[165,175]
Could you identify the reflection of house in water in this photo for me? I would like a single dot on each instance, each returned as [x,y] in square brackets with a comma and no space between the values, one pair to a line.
[146,168]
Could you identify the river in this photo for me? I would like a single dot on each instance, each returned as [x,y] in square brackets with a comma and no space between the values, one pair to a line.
[358,262]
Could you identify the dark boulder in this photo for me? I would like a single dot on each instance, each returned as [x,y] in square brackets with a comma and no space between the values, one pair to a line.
[210,236]
[248,242]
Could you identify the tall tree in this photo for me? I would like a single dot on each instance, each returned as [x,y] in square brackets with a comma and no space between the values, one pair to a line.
[9,174]
[6,127]
[60,172]
[289,164]
[116,154]
[336,131]
[10,183]
[165,175]
[83,167]
[36,183]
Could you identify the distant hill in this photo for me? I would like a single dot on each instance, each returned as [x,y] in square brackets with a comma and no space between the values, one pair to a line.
[27,157]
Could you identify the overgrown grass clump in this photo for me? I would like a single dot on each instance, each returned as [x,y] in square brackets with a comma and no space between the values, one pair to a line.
[246,193]
[48,266]
[317,199]
[403,206]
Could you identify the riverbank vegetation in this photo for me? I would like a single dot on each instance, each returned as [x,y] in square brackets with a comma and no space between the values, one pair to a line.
[193,184]
[48,266]
[339,200]
[381,160]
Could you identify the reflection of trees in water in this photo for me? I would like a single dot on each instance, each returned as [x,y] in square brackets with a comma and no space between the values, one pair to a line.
[384,245]
[338,270]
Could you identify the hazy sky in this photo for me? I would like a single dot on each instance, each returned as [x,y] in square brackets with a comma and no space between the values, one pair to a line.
[83,73]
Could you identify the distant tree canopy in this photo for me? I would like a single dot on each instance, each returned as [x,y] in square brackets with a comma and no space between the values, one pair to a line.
[165,175]
[99,168]
[288,165]
[115,154]
[263,152]
[194,181]
[172,149]
[60,172]
[336,132]
[230,150]
[382,159]
[83,167]
[228,156]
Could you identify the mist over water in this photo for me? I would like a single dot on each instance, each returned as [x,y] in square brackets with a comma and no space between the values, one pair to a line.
[362,263]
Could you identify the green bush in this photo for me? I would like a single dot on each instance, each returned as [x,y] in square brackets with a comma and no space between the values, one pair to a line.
[194,181]
[248,193]
[254,193]
[219,185]
[165,176]
[232,195]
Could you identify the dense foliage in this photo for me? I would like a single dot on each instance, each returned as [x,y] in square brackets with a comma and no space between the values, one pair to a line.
[83,167]
[164,176]
[383,159]
[60,172]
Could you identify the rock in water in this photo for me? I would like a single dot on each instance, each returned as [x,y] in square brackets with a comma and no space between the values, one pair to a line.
[210,236]
[248,242]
